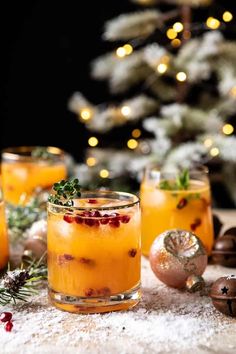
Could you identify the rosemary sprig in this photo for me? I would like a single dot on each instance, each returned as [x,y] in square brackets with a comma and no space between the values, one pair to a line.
[181,182]
[41,152]
[21,283]
[65,192]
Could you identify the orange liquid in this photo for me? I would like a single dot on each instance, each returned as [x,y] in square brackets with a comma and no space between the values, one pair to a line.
[94,261]
[4,247]
[187,209]
[20,179]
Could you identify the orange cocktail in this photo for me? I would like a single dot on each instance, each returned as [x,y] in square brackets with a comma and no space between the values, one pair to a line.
[94,253]
[4,246]
[23,171]
[167,205]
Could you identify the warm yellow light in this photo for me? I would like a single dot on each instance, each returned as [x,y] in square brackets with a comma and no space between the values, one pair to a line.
[132,144]
[86,114]
[120,52]
[125,110]
[181,76]
[233,91]
[176,42]
[128,49]
[212,23]
[104,173]
[162,68]
[208,142]
[227,16]
[91,161]
[171,34]
[93,141]
[178,27]
[228,129]
[136,133]
[214,151]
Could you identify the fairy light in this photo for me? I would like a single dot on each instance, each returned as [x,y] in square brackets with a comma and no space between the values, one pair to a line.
[208,142]
[176,42]
[181,76]
[233,91]
[86,114]
[136,133]
[162,68]
[227,16]
[178,27]
[91,161]
[212,23]
[104,173]
[214,151]
[121,52]
[171,33]
[132,144]
[92,141]
[128,49]
[125,111]
[228,129]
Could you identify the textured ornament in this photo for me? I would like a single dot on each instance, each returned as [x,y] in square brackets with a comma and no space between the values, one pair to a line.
[175,255]
[195,283]
[36,244]
[224,251]
[223,295]
[230,231]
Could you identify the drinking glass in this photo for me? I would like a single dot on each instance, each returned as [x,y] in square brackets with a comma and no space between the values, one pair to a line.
[4,245]
[23,171]
[94,253]
[165,208]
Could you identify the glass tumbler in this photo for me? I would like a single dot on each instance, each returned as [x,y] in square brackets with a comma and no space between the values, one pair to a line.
[4,245]
[23,171]
[165,207]
[94,253]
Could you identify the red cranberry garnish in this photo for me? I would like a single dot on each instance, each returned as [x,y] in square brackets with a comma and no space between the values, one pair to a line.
[78,219]
[89,292]
[64,258]
[87,261]
[92,201]
[68,218]
[5,316]
[8,326]
[182,203]
[132,252]
[197,222]
[125,219]
[114,222]
[90,222]
[95,214]
[105,219]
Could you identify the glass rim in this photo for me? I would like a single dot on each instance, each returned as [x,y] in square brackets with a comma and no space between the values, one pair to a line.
[128,204]
[17,153]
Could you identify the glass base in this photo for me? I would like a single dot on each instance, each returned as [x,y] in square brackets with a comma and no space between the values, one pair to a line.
[76,304]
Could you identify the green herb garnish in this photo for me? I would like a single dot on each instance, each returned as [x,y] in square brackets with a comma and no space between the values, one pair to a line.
[41,152]
[65,192]
[181,182]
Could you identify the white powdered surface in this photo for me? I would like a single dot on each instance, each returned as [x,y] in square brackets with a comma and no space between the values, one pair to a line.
[165,321]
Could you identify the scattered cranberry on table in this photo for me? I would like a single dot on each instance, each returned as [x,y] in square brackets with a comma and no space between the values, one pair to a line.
[6,317]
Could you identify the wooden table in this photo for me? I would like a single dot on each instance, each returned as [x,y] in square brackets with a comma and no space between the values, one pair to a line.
[165,321]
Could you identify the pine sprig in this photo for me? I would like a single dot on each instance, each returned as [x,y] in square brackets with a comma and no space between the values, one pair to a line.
[181,182]
[65,192]
[21,283]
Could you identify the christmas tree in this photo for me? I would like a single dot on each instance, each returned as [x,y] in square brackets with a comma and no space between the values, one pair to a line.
[173,79]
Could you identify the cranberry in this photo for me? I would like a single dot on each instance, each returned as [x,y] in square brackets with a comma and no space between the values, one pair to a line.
[64,258]
[132,252]
[90,222]
[105,219]
[95,214]
[125,219]
[78,219]
[89,292]
[182,203]
[84,260]
[5,316]
[114,222]
[104,291]
[92,201]
[197,222]
[68,218]
[8,326]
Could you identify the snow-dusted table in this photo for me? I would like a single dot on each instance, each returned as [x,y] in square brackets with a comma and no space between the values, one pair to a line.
[165,321]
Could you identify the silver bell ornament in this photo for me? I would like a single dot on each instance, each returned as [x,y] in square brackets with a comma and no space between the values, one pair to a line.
[36,243]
